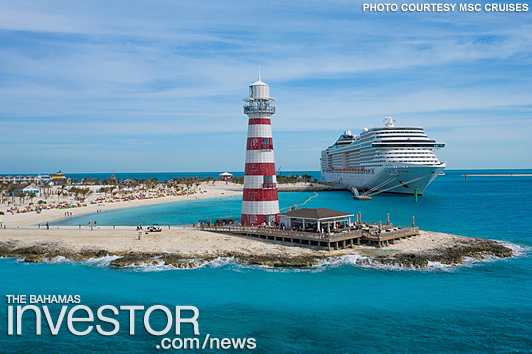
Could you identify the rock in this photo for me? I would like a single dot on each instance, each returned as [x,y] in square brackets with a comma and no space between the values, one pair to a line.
[280,261]
[35,259]
[132,259]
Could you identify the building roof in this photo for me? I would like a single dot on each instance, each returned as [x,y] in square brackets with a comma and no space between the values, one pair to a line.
[259,82]
[20,186]
[319,213]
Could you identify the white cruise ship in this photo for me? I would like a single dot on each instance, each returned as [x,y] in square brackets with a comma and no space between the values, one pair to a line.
[386,159]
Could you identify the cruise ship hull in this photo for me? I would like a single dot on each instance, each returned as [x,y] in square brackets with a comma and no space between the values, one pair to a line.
[400,178]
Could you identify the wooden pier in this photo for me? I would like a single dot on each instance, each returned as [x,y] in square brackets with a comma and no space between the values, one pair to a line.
[329,240]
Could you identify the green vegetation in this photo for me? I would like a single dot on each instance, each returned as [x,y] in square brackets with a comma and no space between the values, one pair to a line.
[79,193]
[238,180]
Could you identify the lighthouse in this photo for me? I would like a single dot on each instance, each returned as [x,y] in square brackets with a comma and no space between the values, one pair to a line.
[259,203]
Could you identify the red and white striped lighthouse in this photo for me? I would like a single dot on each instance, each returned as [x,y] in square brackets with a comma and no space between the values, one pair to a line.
[260,203]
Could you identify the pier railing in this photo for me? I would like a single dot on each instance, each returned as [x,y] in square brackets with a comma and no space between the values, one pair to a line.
[392,234]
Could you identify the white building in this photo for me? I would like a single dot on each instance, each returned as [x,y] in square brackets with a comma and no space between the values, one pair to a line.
[32,189]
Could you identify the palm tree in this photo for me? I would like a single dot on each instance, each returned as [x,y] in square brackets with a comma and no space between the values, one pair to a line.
[11,190]
[107,190]
[21,196]
[75,191]
[3,188]
[31,195]
[85,192]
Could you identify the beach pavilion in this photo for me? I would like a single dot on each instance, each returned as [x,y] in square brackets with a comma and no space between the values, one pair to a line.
[316,218]
[225,176]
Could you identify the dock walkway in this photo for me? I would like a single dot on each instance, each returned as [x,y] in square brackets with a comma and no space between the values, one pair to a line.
[333,240]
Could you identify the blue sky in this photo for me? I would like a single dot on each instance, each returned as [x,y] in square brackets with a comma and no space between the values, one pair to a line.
[138,86]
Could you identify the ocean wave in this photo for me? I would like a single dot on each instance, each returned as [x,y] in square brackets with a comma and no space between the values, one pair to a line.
[518,250]
[360,261]
[220,262]
[157,265]
[370,263]
[104,261]
[58,260]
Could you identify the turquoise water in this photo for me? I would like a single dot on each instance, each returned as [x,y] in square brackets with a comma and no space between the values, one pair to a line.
[482,307]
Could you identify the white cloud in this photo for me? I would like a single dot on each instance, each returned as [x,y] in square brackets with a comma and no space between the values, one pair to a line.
[174,68]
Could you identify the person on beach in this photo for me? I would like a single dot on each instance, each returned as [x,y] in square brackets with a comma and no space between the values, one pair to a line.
[90,224]
[94,223]
[47,226]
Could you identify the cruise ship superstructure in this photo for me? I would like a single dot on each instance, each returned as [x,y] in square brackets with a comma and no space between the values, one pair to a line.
[386,159]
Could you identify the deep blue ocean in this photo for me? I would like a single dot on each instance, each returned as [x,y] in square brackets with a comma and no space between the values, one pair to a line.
[338,307]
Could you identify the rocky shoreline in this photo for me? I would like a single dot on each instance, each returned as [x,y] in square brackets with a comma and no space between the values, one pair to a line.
[478,248]
[36,252]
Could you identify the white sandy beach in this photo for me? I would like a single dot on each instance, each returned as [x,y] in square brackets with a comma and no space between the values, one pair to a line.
[204,190]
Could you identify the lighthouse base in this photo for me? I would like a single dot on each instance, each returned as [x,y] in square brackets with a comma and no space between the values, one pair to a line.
[254,220]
